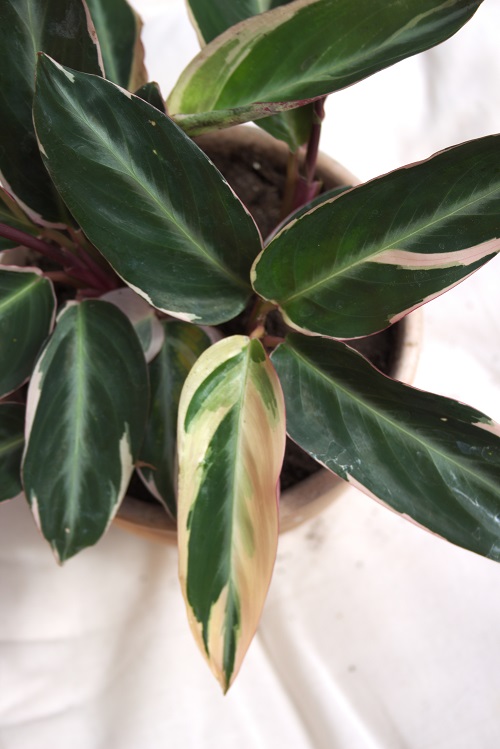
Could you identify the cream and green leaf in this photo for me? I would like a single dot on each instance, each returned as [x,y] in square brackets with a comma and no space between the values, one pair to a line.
[307,49]
[432,459]
[146,196]
[27,314]
[360,261]
[86,413]
[231,442]
[213,18]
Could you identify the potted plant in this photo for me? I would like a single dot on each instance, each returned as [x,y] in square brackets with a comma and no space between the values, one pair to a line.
[147,245]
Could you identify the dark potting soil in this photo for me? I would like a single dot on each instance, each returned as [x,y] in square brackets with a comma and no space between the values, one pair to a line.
[260,185]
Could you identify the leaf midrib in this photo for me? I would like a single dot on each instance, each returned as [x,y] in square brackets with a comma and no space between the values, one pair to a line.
[362,405]
[78,398]
[13,299]
[11,444]
[156,199]
[420,229]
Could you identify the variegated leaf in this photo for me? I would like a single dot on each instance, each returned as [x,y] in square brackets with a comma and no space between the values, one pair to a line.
[364,259]
[85,419]
[142,316]
[63,29]
[309,48]
[118,29]
[183,344]
[231,444]
[213,18]
[11,449]
[27,313]
[432,459]
[140,188]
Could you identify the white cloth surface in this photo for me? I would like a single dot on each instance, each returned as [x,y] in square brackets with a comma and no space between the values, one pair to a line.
[375,634]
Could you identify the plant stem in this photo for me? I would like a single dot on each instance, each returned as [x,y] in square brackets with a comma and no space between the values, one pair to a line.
[33,243]
[258,315]
[314,137]
[292,176]
[301,188]
[71,263]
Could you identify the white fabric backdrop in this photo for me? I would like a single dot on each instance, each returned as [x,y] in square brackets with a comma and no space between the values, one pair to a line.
[375,634]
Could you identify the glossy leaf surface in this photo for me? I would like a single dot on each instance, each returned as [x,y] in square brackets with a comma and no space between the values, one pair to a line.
[183,344]
[11,449]
[140,188]
[355,264]
[85,419]
[148,328]
[27,311]
[310,48]
[231,444]
[430,458]
[60,28]
[118,30]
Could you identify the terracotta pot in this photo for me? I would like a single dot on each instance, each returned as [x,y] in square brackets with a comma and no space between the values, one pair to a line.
[309,497]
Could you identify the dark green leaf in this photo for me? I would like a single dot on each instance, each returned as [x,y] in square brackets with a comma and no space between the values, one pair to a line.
[11,449]
[146,196]
[27,310]
[151,93]
[85,419]
[118,30]
[213,17]
[429,458]
[361,261]
[60,28]
[183,345]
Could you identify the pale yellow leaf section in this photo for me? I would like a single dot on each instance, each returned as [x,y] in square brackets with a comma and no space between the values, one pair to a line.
[258,448]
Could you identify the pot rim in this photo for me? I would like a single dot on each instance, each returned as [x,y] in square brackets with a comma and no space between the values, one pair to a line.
[311,496]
